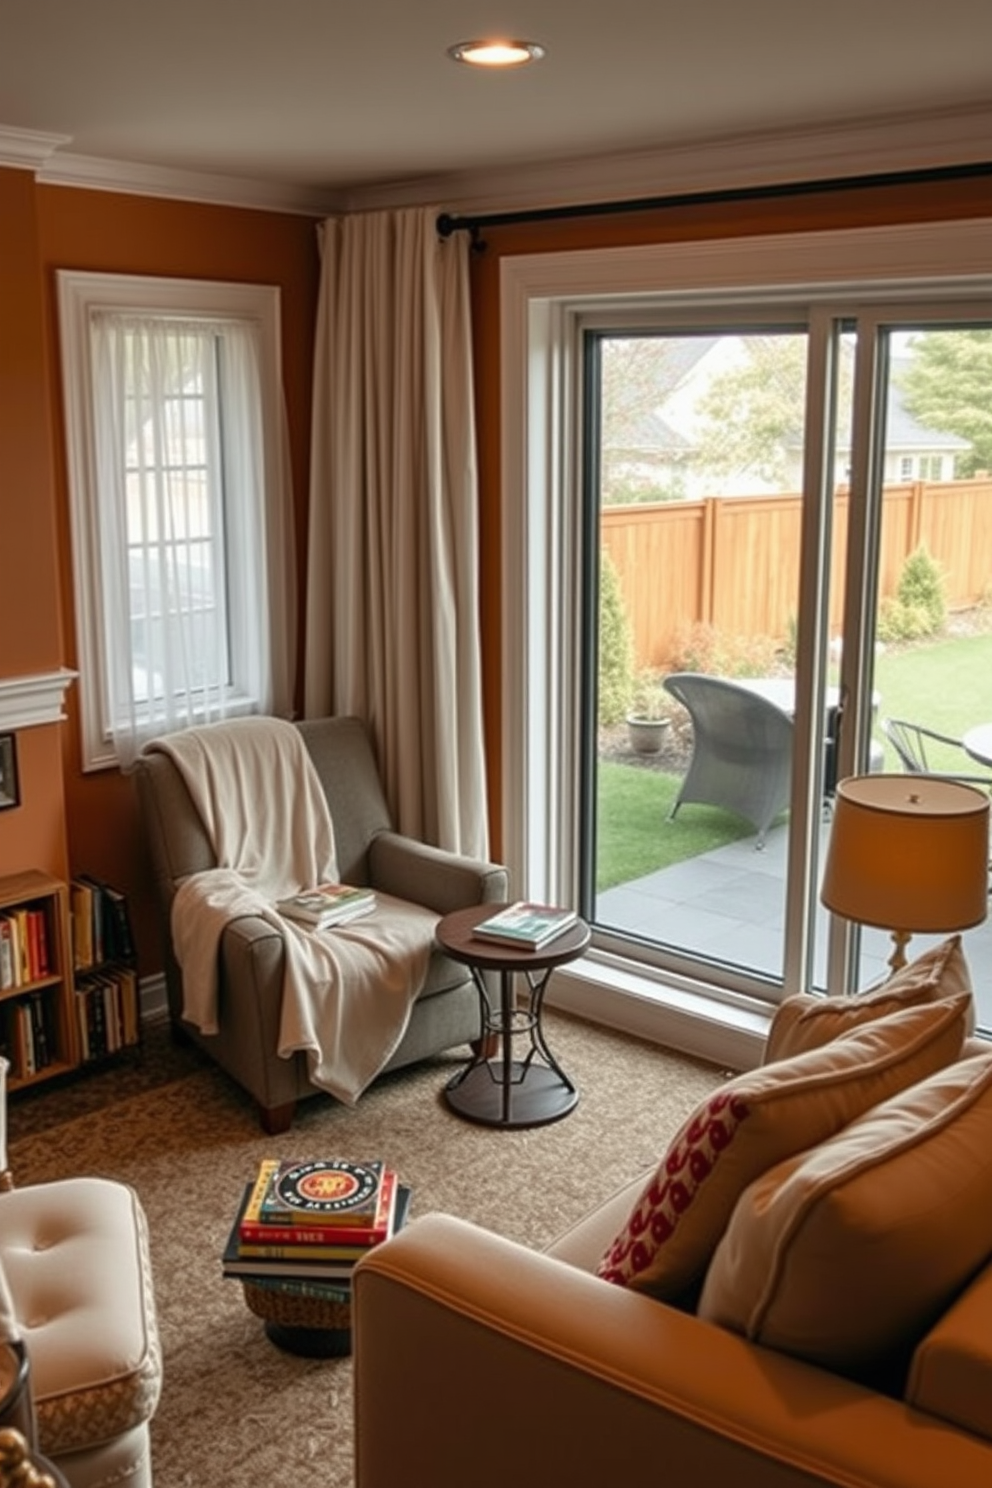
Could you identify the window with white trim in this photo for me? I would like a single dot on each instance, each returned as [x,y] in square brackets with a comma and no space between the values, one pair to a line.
[179,505]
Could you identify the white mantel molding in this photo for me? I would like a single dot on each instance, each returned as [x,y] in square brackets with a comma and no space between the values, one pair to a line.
[27,701]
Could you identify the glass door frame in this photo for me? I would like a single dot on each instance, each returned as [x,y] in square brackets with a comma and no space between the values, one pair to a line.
[542,299]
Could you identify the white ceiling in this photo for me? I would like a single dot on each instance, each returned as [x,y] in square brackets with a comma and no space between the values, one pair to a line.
[339,98]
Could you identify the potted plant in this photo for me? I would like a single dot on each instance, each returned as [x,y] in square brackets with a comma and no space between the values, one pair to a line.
[647,719]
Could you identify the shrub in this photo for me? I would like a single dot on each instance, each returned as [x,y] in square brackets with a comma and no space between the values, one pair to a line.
[919,607]
[649,700]
[616,648]
[705,648]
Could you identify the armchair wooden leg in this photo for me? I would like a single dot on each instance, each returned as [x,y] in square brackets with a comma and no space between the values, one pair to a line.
[486,1047]
[277,1119]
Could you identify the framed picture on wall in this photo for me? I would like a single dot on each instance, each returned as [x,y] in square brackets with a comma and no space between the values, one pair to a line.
[9,793]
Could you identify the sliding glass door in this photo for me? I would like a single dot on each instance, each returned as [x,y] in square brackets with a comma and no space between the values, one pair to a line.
[787,570]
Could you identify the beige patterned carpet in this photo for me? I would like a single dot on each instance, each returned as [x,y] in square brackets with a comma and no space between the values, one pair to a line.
[235,1410]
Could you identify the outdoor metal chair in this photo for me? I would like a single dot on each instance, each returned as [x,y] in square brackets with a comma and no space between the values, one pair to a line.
[914,743]
[741,749]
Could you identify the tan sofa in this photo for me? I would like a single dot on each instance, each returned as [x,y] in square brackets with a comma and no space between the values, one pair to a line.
[369,851]
[478,1360]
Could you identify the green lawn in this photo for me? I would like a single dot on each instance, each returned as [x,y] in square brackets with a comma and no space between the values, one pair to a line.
[635,836]
[944,684]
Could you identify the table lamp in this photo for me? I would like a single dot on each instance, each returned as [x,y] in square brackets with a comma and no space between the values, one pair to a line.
[908,853]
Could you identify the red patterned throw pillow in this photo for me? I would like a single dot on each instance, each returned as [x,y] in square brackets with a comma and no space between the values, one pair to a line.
[758,1119]
[688,1162]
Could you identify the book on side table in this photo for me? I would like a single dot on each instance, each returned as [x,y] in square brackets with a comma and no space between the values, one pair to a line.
[527,925]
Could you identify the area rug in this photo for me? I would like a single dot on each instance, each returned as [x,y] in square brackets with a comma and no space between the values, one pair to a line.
[235,1409]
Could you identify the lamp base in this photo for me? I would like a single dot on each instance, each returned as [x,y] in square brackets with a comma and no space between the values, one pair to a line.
[900,940]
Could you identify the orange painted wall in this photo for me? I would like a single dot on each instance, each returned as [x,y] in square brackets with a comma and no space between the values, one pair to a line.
[816,212]
[32,834]
[46,228]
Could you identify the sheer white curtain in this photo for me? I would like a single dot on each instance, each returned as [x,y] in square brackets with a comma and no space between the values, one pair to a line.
[193,527]
[392,604]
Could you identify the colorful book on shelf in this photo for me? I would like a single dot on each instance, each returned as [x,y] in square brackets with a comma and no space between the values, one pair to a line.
[335,1190]
[23,942]
[302,1267]
[8,952]
[81,900]
[525,924]
[117,925]
[256,1231]
[327,904]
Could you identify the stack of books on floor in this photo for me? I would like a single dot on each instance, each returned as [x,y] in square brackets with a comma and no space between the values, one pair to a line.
[302,1225]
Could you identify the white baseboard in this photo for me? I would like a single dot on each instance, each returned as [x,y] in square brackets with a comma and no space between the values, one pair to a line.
[723,1034]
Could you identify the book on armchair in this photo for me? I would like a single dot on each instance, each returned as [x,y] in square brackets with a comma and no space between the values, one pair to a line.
[327,904]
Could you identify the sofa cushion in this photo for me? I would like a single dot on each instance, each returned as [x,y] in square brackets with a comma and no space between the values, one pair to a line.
[951,1373]
[756,1120]
[847,1254]
[804,1022]
[76,1257]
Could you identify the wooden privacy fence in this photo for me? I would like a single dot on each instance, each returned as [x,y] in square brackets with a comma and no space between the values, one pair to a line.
[732,562]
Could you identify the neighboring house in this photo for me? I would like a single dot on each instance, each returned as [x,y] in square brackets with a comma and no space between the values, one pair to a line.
[648,453]
[652,464]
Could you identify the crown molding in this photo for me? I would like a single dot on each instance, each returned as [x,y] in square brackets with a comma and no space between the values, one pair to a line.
[953,136]
[27,701]
[96,174]
[854,147]
[27,149]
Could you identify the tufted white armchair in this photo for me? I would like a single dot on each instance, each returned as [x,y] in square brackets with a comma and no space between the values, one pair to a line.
[74,1259]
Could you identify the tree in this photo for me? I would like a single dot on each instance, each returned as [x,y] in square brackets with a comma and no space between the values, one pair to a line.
[616,646]
[640,454]
[948,386]
[753,412]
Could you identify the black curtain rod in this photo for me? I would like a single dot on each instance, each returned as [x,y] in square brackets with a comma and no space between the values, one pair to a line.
[447,223]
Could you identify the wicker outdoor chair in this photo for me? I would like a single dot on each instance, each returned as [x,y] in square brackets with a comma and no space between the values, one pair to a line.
[914,744]
[741,750]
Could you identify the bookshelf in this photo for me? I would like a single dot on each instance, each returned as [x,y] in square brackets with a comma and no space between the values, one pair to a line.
[37,1031]
[68,978]
[105,981]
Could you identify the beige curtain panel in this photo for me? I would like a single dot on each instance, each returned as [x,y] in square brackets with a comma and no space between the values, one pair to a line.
[392,602]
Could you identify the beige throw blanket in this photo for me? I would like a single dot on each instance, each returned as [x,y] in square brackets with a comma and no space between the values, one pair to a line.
[347,992]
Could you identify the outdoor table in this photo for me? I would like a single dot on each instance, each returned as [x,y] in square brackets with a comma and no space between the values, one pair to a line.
[978,742]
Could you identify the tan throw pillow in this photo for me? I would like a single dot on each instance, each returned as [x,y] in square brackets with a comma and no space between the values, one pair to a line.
[756,1120]
[846,1255]
[804,1022]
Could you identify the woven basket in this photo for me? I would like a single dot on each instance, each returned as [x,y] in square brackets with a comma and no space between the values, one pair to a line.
[289,1310]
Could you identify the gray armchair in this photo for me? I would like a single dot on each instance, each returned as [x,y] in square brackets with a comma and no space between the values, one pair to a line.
[741,749]
[445,1014]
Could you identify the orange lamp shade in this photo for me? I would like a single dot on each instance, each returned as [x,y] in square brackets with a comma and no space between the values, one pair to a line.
[908,853]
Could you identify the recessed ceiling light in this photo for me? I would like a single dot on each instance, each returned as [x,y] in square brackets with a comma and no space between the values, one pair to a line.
[496,53]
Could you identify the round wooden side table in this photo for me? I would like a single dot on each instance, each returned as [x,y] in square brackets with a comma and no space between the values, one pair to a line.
[507,1091]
